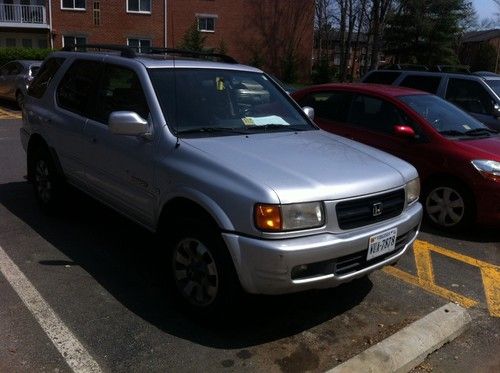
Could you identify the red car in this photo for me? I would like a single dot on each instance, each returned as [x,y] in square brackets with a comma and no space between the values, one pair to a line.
[457,157]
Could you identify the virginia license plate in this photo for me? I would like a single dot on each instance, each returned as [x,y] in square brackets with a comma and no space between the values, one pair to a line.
[382,243]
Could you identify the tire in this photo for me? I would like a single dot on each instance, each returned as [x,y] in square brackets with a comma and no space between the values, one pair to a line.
[200,270]
[20,100]
[448,206]
[47,183]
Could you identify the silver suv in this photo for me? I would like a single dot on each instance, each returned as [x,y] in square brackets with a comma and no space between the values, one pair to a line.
[240,184]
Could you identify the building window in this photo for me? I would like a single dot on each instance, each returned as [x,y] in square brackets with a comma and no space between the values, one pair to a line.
[97,13]
[139,6]
[74,40]
[27,43]
[140,45]
[206,23]
[42,43]
[73,4]
[10,42]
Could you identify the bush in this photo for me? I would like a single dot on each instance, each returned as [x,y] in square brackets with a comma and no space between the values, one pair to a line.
[9,54]
[322,72]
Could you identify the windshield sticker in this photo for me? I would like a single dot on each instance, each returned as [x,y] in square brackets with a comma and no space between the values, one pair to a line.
[219,82]
[264,121]
[466,126]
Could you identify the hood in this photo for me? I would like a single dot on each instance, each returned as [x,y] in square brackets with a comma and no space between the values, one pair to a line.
[307,166]
[484,148]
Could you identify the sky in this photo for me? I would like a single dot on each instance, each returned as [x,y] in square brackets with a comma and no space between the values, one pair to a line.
[485,8]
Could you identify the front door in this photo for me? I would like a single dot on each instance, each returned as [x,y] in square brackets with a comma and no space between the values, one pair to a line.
[121,168]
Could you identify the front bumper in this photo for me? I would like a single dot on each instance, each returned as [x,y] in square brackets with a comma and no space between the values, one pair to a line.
[265,266]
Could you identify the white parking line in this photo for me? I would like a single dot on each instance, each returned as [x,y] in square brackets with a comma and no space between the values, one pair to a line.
[69,347]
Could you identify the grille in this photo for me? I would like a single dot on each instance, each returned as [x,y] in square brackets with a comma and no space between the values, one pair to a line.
[357,261]
[359,212]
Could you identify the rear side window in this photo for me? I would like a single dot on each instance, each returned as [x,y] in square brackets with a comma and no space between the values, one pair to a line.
[332,106]
[424,83]
[469,95]
[120,90]
[47,71]
[78,86]
[382,77]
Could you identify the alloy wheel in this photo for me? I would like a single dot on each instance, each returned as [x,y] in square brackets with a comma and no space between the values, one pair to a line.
[445,206]
[195,272]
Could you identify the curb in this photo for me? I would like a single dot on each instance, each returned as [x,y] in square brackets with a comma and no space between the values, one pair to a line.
[410,346]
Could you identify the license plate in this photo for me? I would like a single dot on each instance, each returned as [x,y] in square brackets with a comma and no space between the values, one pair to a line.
[382,243]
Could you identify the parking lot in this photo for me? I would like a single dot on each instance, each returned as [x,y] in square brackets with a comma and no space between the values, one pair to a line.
[95,276]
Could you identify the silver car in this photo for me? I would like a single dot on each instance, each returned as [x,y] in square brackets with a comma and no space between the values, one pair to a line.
[15,78]
[241,186]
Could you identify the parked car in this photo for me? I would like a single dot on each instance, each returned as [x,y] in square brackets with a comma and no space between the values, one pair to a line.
[457,157]
[15,77]
[243,187]
[479,95]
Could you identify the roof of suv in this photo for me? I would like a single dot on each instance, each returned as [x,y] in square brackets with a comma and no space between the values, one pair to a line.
[378,89]
[429,73]
[161,61]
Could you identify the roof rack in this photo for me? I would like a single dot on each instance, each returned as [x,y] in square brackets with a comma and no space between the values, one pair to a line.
[400,66]
[188,53]
[461,69]
[125,51]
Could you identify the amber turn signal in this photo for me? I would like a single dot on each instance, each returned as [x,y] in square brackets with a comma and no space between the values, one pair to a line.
[268,217]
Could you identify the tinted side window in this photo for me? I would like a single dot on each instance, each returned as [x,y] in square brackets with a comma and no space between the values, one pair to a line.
[469,95]
[374,114]
[120,90]
[424,83]
[11,68]
[382,77]
[78,86]
[45,74]
[333,106]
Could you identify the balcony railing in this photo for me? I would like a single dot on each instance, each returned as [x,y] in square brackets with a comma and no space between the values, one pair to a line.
[23,14]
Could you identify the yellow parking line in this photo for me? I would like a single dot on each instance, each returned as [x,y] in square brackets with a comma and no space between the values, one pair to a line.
[491,282]
[490,274]
[423,262]
[431,287]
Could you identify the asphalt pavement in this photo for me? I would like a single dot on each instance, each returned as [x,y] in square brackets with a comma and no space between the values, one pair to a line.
[95,272]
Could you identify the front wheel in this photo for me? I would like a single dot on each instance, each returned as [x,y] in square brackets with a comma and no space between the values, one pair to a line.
[448,206]
[202,273]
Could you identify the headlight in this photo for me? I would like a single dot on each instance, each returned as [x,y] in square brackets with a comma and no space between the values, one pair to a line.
[278,218]
[489,169]
[412,190]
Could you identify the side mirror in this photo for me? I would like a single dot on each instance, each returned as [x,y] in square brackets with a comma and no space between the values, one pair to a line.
[404,131]
[496,111]
[128,123]
[309,112]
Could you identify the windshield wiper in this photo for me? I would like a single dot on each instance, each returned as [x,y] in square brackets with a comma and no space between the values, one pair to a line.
[211,130]
[480,131]
[273,126]
[452,133]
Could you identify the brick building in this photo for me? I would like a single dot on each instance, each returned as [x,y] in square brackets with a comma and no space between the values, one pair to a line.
[262,32]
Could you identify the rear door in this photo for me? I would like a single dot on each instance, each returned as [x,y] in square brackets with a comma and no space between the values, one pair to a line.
[120,168]
[73,106]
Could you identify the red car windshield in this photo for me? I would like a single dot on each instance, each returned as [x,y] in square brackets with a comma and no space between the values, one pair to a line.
[445,117]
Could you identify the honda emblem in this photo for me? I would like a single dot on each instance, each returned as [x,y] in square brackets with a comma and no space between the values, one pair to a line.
[377,209]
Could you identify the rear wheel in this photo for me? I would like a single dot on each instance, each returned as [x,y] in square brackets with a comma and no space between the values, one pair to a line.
[47,183]
[448,205]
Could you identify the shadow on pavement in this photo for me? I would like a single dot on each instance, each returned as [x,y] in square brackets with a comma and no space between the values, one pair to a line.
[121,256]
[9,105]
[473,234]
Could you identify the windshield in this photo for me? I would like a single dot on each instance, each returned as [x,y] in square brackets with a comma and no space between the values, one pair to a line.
[446,118]
[204,102]
[494,85]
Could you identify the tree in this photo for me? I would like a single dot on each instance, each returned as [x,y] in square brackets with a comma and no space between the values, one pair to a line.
[193,39]
[281,28]
[426,31]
